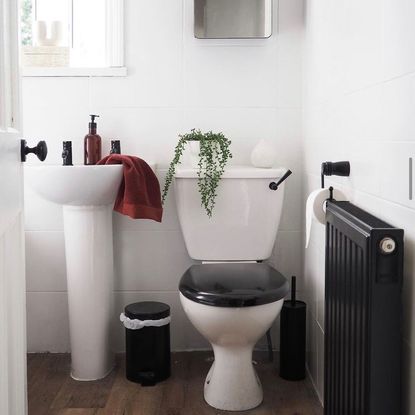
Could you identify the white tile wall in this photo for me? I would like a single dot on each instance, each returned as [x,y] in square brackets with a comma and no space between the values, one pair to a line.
[47,321]
[359,99]
[249,89]
[45,261]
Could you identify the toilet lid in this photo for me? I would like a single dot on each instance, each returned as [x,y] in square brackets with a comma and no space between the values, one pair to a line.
[233,285]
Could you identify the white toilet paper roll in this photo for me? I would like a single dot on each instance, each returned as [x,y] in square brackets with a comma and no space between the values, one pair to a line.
[316,208]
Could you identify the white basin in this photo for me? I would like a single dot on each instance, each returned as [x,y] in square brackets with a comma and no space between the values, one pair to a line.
[87,194]
[76,185]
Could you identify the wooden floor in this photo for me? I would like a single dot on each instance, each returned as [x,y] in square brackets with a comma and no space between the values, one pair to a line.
[52,391]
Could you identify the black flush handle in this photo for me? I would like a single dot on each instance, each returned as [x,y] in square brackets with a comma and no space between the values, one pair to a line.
[41,150]
[274,186]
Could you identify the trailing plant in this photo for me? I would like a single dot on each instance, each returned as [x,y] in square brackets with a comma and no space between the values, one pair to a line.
[214,154]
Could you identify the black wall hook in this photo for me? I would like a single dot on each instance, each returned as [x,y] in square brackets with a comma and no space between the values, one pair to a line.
[338,168]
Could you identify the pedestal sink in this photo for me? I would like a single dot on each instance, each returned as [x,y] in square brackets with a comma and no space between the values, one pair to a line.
[87,194]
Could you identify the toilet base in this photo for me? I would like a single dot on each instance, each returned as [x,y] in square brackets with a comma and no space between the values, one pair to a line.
[232,383]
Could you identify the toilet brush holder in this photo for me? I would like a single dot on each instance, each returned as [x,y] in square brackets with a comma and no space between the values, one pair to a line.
[293,337]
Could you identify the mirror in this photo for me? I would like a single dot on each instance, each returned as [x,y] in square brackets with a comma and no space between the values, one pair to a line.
[233,19]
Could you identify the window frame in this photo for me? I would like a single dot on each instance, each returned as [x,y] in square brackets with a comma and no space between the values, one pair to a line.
[114,37]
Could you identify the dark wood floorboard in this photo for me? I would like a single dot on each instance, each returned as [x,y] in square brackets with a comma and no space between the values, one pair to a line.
[51,390]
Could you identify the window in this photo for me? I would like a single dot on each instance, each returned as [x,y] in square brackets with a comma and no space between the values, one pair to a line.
[71,36]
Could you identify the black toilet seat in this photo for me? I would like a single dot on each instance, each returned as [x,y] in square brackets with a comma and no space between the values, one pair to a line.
[233,285]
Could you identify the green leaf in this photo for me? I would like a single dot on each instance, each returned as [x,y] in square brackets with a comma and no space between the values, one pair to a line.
[214,155]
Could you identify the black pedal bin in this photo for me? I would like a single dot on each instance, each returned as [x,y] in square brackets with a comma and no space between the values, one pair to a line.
[148,349]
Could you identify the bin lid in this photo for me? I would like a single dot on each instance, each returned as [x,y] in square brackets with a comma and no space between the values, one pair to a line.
[147,310]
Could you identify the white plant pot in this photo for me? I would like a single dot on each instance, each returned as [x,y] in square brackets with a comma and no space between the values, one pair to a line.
[194,152]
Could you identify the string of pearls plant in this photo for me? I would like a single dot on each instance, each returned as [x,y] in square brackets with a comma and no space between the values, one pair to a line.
[214,154]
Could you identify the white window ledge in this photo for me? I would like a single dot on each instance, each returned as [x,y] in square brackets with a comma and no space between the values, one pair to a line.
[68,72]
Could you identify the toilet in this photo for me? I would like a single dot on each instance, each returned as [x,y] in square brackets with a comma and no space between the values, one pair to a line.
[230,298]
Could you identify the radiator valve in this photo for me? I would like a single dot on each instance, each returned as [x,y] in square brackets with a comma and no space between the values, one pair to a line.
[387,246]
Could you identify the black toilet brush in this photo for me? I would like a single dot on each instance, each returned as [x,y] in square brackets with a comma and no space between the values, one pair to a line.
[293,337]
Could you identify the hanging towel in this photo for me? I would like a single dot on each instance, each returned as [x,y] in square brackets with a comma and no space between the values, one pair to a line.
[139,193]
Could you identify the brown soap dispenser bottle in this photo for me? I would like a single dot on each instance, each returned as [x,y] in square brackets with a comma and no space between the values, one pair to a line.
[92,143]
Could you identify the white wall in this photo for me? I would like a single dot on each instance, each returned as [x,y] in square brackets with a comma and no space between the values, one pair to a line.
[359,106]
[249,89]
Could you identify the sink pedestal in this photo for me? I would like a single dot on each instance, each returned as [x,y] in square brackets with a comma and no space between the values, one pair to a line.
[90,280]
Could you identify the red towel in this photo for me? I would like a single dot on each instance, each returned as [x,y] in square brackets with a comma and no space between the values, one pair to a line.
[139,194]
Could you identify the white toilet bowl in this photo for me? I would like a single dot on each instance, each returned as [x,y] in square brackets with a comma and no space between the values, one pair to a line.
[217,299]
[232,383]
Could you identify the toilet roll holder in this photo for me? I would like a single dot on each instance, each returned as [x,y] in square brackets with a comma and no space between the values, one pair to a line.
[338,168]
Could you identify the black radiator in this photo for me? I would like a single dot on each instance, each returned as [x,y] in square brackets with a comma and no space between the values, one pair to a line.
[364,265]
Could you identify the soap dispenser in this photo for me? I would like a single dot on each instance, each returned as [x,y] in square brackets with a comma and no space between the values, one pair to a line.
[92,144]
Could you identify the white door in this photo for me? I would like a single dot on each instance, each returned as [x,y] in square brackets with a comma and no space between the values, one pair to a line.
[12,276]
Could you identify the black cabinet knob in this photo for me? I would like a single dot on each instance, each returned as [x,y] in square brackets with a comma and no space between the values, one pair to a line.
[41,150]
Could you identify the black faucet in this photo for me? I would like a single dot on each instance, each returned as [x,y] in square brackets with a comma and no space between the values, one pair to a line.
[67,153]
[115,147]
